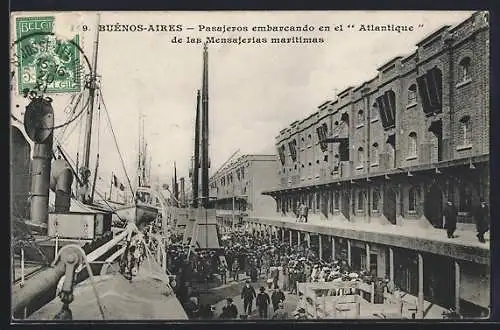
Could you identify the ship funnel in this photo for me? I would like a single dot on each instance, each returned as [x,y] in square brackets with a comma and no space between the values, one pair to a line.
[39,124]
[61,179]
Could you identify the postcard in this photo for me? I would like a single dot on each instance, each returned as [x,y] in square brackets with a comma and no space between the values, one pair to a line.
[250,165]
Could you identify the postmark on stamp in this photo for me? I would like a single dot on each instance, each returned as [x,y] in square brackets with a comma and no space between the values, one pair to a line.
[45,62]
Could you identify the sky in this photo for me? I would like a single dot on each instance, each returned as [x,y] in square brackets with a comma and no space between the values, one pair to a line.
[255,90]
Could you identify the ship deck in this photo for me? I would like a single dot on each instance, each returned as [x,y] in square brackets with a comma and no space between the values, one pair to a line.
[146,297]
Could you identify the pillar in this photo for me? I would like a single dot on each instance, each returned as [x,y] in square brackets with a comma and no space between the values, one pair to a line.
[349,252]
[290,233]
[308,240]
[298,237]
[420,300]
[457,286]
[368,261]
[320,204]
[333,248]
[358,305]
[283,234]
[391,264]
[320,239]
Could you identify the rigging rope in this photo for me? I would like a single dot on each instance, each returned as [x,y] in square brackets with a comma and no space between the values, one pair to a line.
[98,125]
[70,113]
[116,142]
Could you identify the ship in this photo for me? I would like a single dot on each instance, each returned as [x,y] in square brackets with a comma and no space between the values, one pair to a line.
[91,264]
[143,209]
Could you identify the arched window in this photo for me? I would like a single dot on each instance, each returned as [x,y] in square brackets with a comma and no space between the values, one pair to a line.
[413,195]
[361,117]
[361,155]
[361,201]
[374,111]
[465,130]
[412,94]
[336,162]
[412,144]
[464,71]
[375,200]
[375,155]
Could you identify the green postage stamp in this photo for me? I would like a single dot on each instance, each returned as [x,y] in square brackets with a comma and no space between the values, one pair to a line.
[46,63]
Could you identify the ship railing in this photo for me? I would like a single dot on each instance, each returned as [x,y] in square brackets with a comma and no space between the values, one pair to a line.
[54,276]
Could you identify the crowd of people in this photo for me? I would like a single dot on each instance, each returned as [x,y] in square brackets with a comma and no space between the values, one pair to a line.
[264,256]
[284,266]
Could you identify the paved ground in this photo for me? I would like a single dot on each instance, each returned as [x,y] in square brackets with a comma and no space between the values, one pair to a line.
[368,310]
[462,237]
[290,302]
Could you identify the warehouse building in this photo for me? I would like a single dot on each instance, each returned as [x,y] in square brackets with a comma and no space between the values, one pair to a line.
[377,165]
[235,190]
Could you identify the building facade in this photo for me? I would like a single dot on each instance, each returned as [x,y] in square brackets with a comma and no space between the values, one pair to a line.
[239,186]
[389,154]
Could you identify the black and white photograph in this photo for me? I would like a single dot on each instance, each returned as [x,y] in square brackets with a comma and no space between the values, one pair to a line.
[250,166]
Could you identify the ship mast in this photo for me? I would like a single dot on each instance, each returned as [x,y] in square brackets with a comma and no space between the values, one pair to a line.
[175,192]
[196,165]
[90,112]
[204,131]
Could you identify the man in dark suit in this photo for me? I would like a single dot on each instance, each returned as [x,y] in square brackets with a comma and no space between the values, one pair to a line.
[482,215]
[450,217]
[248,294]
[262,303]
[229,311]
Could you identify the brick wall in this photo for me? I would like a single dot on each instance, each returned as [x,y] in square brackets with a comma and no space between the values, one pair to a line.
[443,50]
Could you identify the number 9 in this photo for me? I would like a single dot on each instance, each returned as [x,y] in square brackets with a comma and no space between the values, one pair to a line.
[85,28]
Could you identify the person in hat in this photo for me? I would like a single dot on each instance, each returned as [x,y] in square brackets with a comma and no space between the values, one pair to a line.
[482,214]
[248,294]
[235,270]
[229,312]
[222,269]
[450,217]
[262,301]
[280,313]
[300,314]
[277,297]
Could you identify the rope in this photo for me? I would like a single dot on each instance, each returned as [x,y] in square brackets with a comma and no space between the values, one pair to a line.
[78,123]
[98,125]
[89,270]
[116,142]
[69,114]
